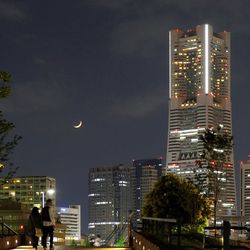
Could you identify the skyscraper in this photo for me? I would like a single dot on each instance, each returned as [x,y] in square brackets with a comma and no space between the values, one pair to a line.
[245,190]
[199,98]
[145,173]
[109,202]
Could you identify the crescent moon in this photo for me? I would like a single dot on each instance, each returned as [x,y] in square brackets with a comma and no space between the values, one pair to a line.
[78,125]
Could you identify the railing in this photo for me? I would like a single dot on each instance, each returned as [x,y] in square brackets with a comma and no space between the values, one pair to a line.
[162,231]
[116,233]
[8,237]
[5,230]
[161,234]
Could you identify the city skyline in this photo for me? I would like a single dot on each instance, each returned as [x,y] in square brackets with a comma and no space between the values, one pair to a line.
[105,63]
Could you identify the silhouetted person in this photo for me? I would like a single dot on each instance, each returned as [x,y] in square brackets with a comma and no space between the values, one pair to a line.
[35,221]
[49,221]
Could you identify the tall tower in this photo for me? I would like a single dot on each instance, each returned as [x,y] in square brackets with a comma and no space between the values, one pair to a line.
[199,98]
[109,202]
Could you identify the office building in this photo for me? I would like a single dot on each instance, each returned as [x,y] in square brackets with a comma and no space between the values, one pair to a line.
[199,98]
[14,214]
[145,173]
[245,191]
[29,190]
[71,217]
[109,202]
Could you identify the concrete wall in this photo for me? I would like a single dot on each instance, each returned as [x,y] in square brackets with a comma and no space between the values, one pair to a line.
[141,243]
[10,242]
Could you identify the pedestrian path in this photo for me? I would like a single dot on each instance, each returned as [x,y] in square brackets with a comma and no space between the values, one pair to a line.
[72,248]
[41,248]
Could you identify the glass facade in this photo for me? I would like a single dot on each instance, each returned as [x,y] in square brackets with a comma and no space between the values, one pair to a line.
[109,202]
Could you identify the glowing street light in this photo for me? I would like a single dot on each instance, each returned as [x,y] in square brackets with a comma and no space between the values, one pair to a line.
[50,191]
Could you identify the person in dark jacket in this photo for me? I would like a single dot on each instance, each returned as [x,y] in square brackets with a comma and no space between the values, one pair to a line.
[35,221]
[48,219]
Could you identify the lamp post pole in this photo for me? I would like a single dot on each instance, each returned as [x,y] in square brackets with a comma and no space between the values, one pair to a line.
[42,199]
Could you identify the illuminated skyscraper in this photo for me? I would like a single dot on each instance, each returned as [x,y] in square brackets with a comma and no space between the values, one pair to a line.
[109,202]
[245,191]
[199,98]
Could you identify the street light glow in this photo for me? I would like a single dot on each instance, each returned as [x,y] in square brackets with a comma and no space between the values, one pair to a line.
[51,191]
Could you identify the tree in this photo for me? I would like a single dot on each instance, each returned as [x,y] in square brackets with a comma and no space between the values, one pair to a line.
[177,198]
[7,144]
[213,162]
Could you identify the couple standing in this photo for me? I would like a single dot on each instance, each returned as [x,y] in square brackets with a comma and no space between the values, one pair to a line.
[45,221]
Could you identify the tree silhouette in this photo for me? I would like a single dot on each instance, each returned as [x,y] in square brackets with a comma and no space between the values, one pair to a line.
[213,162]
[177,198]
[7,144]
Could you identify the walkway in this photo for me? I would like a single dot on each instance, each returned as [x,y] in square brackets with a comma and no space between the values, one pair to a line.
[72,248]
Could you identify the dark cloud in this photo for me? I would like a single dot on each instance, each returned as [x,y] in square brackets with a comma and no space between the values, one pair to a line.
[140,105]
[12,10]
[142,26]
[35,97]
[111,4]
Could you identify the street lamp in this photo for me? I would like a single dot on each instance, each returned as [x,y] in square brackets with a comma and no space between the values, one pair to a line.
[50,191]
[42,198]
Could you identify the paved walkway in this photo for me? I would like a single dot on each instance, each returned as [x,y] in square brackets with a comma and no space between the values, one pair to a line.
[72,248]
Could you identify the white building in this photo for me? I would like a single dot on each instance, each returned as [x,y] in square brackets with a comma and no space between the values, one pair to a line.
[71,217]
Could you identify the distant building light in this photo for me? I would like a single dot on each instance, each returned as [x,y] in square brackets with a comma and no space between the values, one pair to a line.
[98,179]
[218,150]
[103,202]
[105,223]
[194,140]
[93,195]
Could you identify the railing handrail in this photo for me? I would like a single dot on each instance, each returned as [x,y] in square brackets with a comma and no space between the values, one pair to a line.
[160,219]
[3,225]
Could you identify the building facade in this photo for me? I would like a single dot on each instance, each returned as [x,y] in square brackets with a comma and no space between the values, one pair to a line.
[71,217]
[199,98]
[14,214]
[29,190]
[245,191]
[145,173]
[109,202]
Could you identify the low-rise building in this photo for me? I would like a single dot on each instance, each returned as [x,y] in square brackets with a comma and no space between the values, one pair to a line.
[14,214]
[71,217]
[29,190]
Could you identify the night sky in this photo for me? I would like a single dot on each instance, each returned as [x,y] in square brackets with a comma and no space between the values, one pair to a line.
[104,62]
